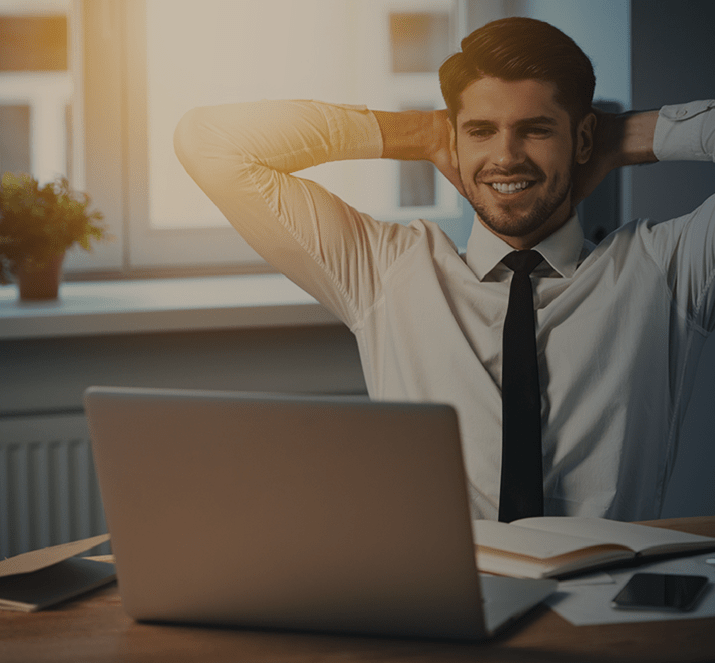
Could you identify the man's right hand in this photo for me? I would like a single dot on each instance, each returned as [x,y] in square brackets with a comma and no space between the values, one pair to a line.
[419,135]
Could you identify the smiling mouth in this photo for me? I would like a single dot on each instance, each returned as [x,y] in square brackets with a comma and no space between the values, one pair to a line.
[510,187]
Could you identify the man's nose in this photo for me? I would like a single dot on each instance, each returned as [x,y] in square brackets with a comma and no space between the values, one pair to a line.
[508,150]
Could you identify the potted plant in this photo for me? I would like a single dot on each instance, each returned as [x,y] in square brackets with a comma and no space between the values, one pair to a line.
[37,226]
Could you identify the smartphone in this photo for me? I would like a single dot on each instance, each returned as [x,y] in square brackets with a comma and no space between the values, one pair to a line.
[660,591]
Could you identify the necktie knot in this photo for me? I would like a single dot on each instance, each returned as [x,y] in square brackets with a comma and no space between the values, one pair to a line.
[522,262]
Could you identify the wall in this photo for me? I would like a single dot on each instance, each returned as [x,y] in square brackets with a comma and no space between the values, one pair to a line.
[673,60]
[49,375]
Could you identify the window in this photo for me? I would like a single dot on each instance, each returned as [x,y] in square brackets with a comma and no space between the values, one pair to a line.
[140,64]
[36,89]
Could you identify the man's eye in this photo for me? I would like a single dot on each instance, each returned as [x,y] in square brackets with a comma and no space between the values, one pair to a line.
[538,131]
[481,133]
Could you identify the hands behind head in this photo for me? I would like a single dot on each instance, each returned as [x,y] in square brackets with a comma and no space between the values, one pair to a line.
[607,141]
[440,153]
[617,140]
[607,138]
[625,139]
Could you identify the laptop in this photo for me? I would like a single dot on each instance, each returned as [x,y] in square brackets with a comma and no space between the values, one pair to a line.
[323,514]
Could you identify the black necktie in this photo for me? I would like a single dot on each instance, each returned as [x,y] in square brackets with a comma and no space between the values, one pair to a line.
[522,493]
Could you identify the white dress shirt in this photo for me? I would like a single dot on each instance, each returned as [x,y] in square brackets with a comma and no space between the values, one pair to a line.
[619,326]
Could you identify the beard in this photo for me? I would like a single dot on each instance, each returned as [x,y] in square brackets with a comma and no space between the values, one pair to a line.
[508,220]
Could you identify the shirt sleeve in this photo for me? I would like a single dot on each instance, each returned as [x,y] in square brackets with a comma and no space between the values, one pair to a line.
[685,246]
[243,156]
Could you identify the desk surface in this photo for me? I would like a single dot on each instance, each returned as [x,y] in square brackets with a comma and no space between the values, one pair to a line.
[96,629]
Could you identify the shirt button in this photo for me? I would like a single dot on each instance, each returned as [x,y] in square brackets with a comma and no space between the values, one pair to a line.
[682,112]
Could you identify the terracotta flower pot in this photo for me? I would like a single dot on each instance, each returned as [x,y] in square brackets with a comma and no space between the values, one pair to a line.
[38,283]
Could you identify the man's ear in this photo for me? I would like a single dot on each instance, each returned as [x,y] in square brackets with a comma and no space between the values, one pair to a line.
[584,138]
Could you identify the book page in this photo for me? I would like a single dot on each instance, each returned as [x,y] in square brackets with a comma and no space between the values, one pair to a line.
[44,557]
[519,540]
[639,538]
[496,561]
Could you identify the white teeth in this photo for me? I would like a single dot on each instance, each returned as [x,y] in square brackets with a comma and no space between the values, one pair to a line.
[510,187]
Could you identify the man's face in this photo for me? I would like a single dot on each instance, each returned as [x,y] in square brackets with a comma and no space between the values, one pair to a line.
[515,149]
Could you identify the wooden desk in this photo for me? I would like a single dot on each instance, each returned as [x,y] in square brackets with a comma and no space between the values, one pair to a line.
[95,629]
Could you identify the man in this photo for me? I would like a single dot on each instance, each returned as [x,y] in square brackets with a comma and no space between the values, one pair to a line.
[618,327]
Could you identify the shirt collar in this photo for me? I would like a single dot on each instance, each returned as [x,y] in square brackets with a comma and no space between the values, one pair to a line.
[562,249]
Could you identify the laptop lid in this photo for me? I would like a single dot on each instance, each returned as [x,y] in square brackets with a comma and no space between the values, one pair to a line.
[323,514]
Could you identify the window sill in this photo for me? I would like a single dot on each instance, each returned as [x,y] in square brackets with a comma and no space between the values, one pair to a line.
[185,304]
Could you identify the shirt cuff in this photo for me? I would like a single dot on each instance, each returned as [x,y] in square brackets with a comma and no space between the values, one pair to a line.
[354,132]
[686,132]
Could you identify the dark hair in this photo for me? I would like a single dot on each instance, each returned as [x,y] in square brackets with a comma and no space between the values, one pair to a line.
[515,49]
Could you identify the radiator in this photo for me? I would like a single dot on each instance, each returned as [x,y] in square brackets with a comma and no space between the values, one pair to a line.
[48,488]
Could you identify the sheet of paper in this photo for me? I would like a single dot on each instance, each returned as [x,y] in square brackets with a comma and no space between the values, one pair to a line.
[583,603]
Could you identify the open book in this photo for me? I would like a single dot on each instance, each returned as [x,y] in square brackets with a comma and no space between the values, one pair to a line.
[38,579]
[557,546]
